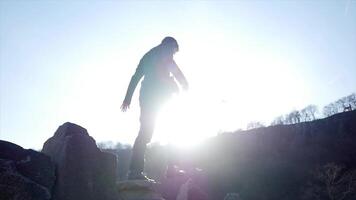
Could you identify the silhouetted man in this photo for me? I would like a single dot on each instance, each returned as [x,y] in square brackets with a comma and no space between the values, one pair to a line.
[157,67]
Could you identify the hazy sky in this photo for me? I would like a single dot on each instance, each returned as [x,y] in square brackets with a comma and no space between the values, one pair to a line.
[245,60]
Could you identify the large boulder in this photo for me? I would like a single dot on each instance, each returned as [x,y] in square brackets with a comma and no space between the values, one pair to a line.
[139,190]
[24,174]
[82,170]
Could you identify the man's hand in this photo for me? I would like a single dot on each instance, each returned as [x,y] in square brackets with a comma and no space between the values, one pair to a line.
[125,106]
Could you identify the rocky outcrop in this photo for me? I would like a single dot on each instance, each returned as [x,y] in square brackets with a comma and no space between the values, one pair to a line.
[82,170]
[24,174]
[139,190]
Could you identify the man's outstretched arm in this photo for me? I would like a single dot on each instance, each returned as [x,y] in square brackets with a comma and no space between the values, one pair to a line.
[178,74]
[132,86]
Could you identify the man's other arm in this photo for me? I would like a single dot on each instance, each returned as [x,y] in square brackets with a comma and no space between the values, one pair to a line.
[178,74]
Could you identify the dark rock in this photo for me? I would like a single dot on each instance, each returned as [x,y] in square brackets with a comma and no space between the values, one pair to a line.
[83,171]
[24,174]
[14,185]
[11,151]
[31,164]
[170,187]
[139,190]
[38,167]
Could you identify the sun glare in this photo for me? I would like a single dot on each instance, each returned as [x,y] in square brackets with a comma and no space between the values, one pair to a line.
[227,93]
[185,121]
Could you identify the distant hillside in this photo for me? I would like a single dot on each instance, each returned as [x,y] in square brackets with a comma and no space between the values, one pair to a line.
[283,161]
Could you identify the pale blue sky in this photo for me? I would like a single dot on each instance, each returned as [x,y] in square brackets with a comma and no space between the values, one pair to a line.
[72,61]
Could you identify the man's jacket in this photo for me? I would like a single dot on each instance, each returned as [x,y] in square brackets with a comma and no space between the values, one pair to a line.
[157,67]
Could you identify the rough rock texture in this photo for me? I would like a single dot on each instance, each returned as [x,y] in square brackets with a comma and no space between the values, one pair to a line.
[232,196]
[138,190]
[82,170]
[181,188]
[24,174]
[170,187]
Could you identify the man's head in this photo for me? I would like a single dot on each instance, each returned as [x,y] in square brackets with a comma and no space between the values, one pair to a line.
[170,44]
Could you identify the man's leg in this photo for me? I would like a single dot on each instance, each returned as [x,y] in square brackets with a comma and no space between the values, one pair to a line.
[147,124]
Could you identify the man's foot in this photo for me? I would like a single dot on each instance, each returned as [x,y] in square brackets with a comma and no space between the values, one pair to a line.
[139,176]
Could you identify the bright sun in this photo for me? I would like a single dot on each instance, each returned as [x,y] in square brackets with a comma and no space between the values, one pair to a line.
[185,121]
